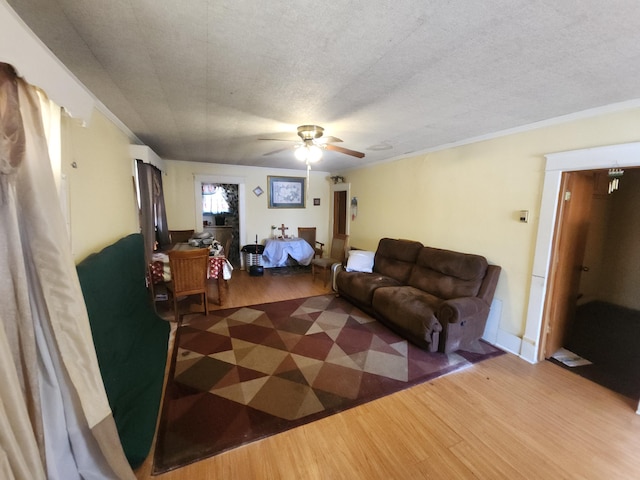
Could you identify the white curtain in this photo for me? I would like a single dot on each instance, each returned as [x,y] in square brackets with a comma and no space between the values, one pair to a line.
[55,420]
[214,199]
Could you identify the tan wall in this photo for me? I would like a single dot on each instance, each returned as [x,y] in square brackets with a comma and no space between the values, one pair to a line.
[179,192]
[102,205]
[467,198]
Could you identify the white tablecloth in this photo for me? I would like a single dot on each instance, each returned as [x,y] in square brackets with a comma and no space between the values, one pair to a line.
[276,252]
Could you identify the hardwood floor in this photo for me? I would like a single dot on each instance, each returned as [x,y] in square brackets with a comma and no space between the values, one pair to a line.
[502,418]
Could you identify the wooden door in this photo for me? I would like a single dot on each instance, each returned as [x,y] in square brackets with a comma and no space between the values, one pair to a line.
[340,212]
[570,237]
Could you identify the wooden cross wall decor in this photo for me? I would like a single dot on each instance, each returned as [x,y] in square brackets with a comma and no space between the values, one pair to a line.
[282,229]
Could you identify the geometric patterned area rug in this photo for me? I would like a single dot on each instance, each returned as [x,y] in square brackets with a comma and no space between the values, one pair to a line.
[242,374]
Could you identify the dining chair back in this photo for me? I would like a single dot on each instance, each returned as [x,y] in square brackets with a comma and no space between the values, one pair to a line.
[188,275]
[337,255]
[308,234]
[227,247]
[180,236]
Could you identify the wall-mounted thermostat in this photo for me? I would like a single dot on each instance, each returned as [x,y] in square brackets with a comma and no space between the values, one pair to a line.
[524,216]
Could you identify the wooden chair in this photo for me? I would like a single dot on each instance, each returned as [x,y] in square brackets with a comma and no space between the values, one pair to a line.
[309,235]
[337,255]
[227,247]
[227,254]
[158,290]
[188,275]
[180,236]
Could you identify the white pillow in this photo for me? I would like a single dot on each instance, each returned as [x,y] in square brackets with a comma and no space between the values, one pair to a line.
[360,261]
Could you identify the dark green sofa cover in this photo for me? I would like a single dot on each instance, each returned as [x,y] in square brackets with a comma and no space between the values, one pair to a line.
[130,340]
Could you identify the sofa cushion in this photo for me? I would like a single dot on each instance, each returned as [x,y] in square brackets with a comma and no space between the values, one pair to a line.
[395,258]
[360,261]
[360,285]
[410,309]
[447,274]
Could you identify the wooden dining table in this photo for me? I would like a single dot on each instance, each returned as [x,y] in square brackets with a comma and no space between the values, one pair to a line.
[219,268]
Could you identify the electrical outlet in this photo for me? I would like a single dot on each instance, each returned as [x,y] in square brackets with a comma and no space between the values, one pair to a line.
[524,216]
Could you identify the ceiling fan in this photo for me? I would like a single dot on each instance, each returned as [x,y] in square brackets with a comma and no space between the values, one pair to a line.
[310,150]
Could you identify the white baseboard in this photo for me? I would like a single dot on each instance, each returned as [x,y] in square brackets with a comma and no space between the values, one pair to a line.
[529,351]
[509,342]
[492,326]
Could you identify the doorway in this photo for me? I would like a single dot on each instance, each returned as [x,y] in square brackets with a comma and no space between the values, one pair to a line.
[620,156]
[339,221]
[339,212]
[592,307]
[220,217]
[237,186]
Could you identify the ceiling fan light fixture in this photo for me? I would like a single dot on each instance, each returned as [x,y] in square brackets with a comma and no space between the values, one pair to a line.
[310,150]
[315,153]
[301,153]
[308,153]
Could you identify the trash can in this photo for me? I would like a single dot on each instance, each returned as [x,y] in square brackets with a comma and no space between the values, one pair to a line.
[251,256]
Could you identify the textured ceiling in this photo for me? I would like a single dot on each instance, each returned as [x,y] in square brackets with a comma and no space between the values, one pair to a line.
[203,80]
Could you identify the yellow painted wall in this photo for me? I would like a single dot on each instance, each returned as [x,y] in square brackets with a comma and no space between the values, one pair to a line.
[467,198]
[179,192]
[102,205]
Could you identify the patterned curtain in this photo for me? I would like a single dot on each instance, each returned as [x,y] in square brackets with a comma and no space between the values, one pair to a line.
[153,215]
[162,228]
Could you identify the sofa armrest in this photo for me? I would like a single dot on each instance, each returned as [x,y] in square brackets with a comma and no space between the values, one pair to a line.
[489,284]
[456,309]
[335,269]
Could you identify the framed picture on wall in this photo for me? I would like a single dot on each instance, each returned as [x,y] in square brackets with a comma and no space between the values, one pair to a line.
[286,192]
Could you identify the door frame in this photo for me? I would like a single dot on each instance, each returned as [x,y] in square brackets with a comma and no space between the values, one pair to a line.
[613,156]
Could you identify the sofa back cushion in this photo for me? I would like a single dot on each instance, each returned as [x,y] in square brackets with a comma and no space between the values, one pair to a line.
[448,274]
[395,258]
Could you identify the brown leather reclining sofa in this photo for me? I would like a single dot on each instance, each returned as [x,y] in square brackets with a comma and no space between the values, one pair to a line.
[438,299]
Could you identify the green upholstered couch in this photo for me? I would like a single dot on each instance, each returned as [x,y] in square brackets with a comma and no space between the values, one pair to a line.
[130,340]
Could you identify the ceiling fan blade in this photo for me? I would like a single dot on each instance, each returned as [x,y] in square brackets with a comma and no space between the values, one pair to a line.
[346,151]
[279,139]
[276,151]
[330,139]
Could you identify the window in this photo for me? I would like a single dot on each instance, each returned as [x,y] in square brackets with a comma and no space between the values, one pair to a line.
[214,199]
